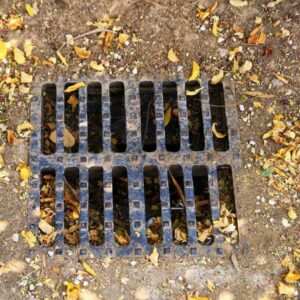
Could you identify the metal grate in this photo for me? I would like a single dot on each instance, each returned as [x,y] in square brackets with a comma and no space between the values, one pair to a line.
[136,154]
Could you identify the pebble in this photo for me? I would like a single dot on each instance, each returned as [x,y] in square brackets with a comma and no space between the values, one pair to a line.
[50,253]
[133,263]
[31,287]
[85,283]
[15,237]
[277,83]
[134,71]
[242,107]
[272,202]
[252,143]
[76,281]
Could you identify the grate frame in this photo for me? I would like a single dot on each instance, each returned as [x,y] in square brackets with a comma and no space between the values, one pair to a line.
[134,159]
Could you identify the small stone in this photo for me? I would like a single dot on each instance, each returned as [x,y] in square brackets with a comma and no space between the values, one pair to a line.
[277,83]
[15,237]
[50,253]
[76,281]
[134,71]
[31,287]
[242,107]
[133,263]
[252,143]
[272,202]
[85,283]
[285,223]
[180,278]
[27,259]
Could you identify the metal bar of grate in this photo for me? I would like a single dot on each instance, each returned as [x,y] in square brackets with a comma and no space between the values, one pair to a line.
[133,158]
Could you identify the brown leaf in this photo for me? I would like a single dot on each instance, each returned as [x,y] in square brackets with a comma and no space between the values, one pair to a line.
[109,37]
[82,52]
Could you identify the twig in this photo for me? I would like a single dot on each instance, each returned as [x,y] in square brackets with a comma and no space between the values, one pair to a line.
[146,127]
[94,31]
[178,189]
[5,120]
[71,189]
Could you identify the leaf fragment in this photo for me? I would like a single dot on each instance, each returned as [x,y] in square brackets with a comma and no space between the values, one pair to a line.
[195,71]
[89,269]
[109,37]
[28,47]
[217,134]
[45,227]
[73,291]
[74,87]
[82,52]
[26,78]
[257,104]
[247,66]
[25,172]
[292,277]
[96,67]
[284,289]
[194,92]
[167,117]
[122,38]
[73,101]
[238,3]
[258,94]
[254,78]
[203,14]
[29,9]
[19,56]
[29,237]
[172,56]
[69,140]
[62,58]
[122,237]
[210,285]
[292,213]
[25,126]
[218,77]
[3,49]
[215,28]
[281,78]
[154,257]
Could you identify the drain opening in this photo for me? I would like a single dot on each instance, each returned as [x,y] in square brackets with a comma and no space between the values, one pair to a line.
[178,205]
[96,210]
[71,130]
[227,202]
[171,116]
[48,119]
[195,119]
[118,117]
[71,206]
[94,113]
[121,206]
[47,208]
[152,205]
[148,120]
[218,116]
[202,205]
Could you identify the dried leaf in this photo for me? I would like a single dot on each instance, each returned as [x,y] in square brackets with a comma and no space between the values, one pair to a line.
[281,78]
[28,47]
[292,277]
[82,52]
[247,66]
[1,161]
[215,29]
[10,137]
[202,15]
[172,56]
[25,126]
[217,78]
[73,101]
[197,298]
[258,94]
[14,266]
[19,56]
[25,172]
[167,117]
[62,58]
[194,92]
[292,213]
[284,289]
[26,78]
[122,237]
[69,140]
[210,285]
[257,104]
[257,36]
[29,237]
[180,235]
[154,257]
[96,67]
[238,3]
[3,225]
[254,78]
[45,227]
[73,291]
[232,54]
[108,41]
[15,22]
[235,66]
[29,10]
[123,37]
[3,49]
[74,87]
[88,268]
[216,133]
[195,71]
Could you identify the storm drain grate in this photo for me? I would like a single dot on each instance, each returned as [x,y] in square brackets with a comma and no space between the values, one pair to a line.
[139,165]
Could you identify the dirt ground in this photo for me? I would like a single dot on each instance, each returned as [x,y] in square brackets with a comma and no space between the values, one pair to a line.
[254,268]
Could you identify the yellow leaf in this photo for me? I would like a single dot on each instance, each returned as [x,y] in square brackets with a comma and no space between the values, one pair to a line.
[108,40]
[247,66]
[262,38]
[194,92]
[238,3]
[62,58]
[19,56]
[96,67]
[284,289]
[235,66]
[25,126]
[3,49]
[217,78]
[29,237]
[122,237]
[217,134]
[154,257]
[292,213]
[3,225]
[292,277]
[29,9]
[15,22]
[26,78]
[28,47]
[268,134]
[73,291]
[82,52]
[258,94]
[172,56]
[210,285]
[74,87]
[73,101]
[25,172]
[195,71]
[257,104]
[232,53]
[168,115]
[215,29]
[197,298]
[202,15]
[122,38]
[254,78]
[281,78]
[88,268]
[45,227]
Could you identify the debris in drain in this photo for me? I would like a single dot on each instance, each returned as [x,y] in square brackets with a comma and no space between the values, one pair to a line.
[47,209]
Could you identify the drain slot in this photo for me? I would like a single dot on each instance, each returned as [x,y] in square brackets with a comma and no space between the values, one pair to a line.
[94,113]
[171,116]
[148,120]
[96,208]
[195,119]
[72,119]
[202,205]
[121,206]
[47,207]
[218,116]
[178,205]
[48,118]
[71,206]
[118,117]
[152,205]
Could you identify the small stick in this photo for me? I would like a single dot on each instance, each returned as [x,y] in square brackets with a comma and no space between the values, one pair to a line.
[71,189]
[178,188]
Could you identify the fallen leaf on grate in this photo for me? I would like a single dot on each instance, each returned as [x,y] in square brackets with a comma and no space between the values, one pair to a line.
[69,140]
[217,134]
[74,87]
[122,237]
[154,257]
[180,235]
[29,237]
[25,129]
[45,227]
[194,92]
[73,101]
[167,117]
[217,78]
[195,71]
